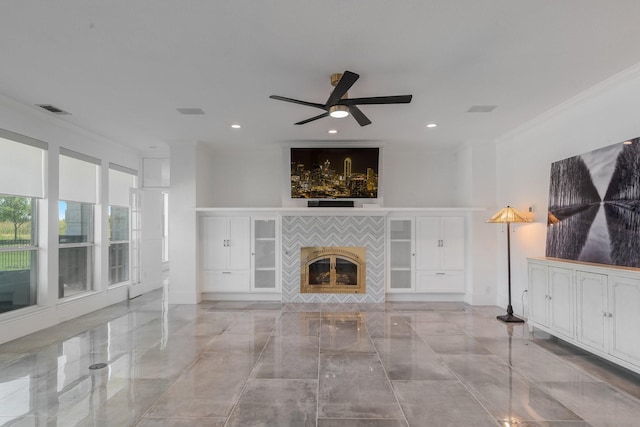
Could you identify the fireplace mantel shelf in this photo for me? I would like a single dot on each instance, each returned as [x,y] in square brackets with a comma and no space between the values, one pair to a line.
[304,211]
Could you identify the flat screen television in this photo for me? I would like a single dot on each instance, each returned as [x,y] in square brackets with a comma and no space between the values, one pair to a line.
[334,173]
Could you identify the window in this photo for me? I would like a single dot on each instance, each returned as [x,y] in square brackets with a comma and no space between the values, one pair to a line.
[21,185]
[118,244]
[121,180]
[78,196]
[75,235]
[18,252]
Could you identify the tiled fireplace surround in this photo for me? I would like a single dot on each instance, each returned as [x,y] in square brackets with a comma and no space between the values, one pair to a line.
[303,231]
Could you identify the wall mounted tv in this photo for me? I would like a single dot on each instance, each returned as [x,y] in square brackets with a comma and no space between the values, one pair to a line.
[334,173]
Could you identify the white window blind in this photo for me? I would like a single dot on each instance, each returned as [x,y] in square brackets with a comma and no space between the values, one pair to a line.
[120,181]
[78,177]
[21,165]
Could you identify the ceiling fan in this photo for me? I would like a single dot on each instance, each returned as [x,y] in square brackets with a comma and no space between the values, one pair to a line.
[340,105]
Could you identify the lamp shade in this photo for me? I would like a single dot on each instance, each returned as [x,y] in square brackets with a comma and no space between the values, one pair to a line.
[509,215]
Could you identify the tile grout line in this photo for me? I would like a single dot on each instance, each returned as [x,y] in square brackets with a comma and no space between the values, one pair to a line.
[246,383]
[439,356]
[386,374]
[318,386]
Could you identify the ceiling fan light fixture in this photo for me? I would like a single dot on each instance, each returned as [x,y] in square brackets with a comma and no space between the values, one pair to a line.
[338,111]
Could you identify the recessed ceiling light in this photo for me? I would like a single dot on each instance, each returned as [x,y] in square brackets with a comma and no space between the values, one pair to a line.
[333,131]
[432,125]
[628,142]
[236,126]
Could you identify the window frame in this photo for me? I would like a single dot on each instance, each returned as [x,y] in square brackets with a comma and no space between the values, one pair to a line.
[90,243]
[119,242]
[34,249]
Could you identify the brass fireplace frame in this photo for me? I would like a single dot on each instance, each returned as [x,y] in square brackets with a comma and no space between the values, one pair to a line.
[353,254]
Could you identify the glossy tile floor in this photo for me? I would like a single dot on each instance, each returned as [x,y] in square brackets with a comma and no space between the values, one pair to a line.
[267,364]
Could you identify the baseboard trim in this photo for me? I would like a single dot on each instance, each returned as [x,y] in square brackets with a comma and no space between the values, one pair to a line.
[424,297]
[224,296]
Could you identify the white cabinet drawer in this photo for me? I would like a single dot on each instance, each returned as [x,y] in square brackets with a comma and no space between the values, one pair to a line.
[226,281]
[440,281]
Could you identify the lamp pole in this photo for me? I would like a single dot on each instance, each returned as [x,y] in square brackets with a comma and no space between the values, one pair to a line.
[509,215]
[509,317]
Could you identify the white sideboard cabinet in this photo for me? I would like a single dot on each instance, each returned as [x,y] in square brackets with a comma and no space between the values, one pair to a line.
[595,307]
[426,254]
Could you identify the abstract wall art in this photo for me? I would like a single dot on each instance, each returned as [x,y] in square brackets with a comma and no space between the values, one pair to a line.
[594,206]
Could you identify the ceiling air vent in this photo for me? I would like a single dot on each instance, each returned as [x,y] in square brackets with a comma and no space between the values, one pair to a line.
[53,109]
[481,108]
[190,111]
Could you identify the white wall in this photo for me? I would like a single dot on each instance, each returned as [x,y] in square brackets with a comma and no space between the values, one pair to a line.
[414,177]
[182,225]
[244,177]
[249,177]
[57,133]
[604,115]
[477,188]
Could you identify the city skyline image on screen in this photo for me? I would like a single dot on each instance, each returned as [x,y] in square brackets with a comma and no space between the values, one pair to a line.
[334,173]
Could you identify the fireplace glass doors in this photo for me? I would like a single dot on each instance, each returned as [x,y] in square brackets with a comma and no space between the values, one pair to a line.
[333,270]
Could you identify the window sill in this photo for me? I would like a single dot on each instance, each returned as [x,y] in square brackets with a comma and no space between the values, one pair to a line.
[22,313]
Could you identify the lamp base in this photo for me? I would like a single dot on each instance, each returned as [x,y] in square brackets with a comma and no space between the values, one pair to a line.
[510,318]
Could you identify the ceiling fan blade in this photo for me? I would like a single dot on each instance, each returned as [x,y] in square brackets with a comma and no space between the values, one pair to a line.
[346,81]
[397,99]
[296,101]
[312,119]
[359,116]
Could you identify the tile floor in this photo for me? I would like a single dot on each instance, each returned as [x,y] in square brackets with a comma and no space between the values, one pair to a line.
[266,364]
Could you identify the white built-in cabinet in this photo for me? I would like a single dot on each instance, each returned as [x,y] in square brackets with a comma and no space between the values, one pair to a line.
[239,254]
[426,254]
[265,259]
[592,306]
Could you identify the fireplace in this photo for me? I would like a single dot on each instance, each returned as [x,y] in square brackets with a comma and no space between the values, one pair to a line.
[333,270]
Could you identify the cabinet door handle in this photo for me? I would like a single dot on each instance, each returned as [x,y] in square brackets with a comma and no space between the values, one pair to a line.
[226,272]
[440,274]
[604,314]
[609,314]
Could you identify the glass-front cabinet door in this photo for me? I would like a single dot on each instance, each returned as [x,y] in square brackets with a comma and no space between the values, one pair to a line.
[265,254]
[401,255]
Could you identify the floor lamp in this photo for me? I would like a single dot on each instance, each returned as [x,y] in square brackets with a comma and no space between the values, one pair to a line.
[508,215]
